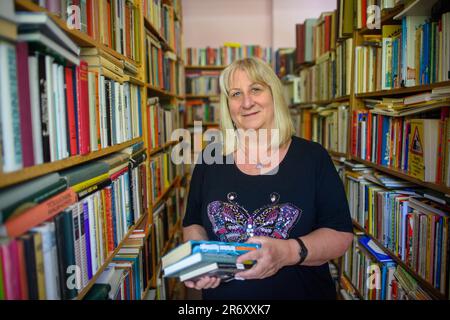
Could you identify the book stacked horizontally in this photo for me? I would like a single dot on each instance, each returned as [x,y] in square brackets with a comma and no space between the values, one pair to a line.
[195,259]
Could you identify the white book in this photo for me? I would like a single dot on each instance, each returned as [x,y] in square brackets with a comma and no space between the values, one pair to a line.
[50,45]
[92,112]
[33,69]
[9,109]
[57,111]
[63,114]
[47,232]
[39,21]
[52,129]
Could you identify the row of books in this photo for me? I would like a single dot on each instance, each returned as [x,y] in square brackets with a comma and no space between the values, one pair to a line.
[162,17]
[413,228]
[202,110]
[162,67]
[162,173]
[55,105]
[325,125]
[62,227]
[129,274]
[376,276]
[165,217]
[416,144]
[113,23]
[410,54]
[205,82]
[225,55]
[162,121]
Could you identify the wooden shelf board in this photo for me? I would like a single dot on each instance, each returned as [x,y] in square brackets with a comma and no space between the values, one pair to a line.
[403,91]
[159,149]
[81,38]
[403,175]
[191,67]
[388,16]
[91,282]
[194,96]
[8,179]
[161,92]
[358,294]
[158,35]
[435,293]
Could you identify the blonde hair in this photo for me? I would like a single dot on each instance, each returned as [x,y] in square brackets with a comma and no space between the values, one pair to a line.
[260,72]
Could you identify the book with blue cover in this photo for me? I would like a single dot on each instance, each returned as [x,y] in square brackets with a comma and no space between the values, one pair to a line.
[210,247]
[374,249]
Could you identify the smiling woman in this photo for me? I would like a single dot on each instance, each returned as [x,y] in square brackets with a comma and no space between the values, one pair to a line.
[294,205]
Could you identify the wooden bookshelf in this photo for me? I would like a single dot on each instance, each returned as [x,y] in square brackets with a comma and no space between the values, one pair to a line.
[165,44]
[9,179]
[81,38]
[403,91]
[165,146]
[358,294]
[386,17]
[194,96]
[165,193]
[91,282]
[403,175]
[205,67]
[435,293]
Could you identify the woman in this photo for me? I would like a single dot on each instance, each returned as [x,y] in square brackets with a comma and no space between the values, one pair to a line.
[293,205]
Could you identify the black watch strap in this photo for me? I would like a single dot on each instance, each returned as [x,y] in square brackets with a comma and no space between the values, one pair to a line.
[303,253]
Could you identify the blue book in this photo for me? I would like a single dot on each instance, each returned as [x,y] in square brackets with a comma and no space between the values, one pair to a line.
[374,249]
[88,239]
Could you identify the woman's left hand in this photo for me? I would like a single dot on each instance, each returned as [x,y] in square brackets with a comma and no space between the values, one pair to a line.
[271,257]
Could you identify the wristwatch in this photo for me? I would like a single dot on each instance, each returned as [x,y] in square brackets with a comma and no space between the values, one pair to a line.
[303,252]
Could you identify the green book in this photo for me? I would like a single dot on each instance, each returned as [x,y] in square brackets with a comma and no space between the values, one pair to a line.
[99,291]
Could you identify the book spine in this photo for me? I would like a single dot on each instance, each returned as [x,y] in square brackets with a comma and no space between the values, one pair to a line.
[24,104]
[16,226]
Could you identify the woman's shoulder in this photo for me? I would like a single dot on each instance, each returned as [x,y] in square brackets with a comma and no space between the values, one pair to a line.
[302,147]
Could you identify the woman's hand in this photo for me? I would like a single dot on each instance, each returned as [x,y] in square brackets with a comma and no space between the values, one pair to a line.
[271,257]
[203,283]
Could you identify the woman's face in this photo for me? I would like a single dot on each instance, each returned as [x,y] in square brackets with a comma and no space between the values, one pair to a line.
[250,103]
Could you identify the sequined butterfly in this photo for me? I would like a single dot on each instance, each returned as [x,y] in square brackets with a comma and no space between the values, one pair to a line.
[233,223]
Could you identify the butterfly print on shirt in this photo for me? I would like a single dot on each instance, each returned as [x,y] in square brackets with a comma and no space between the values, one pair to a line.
[233,223]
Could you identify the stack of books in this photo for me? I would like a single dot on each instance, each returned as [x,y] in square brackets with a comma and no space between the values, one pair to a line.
[195,259]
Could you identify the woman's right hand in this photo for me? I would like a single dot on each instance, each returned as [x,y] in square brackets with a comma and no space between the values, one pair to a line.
[203,283]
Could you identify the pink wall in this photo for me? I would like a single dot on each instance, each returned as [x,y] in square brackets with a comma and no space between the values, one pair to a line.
[287,13]
[213,22]
[263,22]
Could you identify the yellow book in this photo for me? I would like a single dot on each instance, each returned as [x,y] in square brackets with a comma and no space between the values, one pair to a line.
[39,257]
[89,183]
[423,149]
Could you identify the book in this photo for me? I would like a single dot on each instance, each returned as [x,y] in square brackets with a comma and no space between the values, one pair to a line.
[203,246]
[224,271]
[40,21]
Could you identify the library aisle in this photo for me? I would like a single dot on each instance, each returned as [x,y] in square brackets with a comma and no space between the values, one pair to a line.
[94,92]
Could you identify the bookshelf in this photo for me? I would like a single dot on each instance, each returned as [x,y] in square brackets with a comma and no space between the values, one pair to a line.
[358,105]
[173,96]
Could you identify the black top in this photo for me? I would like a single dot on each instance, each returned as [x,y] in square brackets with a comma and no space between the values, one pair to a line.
[304,195]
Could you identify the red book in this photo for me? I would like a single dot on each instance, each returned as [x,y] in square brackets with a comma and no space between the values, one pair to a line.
[89,15]
[83,108]
[18,225]
[379,138]
[71,111]
[109,223]
[22,270]
[23,84]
